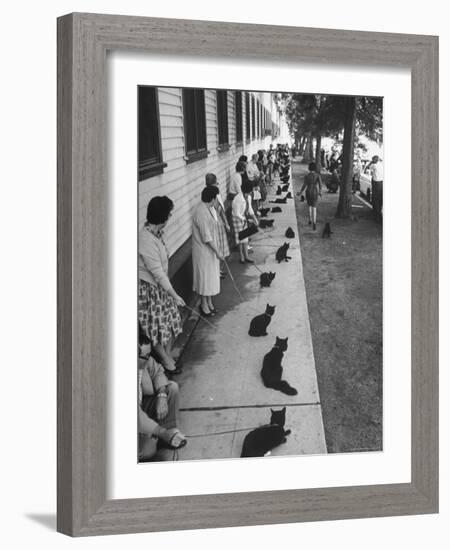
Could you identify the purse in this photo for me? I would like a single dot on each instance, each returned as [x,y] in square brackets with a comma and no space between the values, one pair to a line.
[247,232]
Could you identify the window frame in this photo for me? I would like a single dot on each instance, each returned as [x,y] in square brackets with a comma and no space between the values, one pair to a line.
[253,115]
[199,153]
[223,136]
[248,136]
[147,168]
[239,126]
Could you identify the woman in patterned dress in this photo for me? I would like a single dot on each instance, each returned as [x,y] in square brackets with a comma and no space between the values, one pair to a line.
[158,301]
[223,226]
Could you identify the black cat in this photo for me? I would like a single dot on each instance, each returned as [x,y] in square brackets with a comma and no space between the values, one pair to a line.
[327,231]
[265,279]
[259,324]
[289,195]
[261,440]
[272,370]
[276,209]
[264,212]
[289,233]
[285,188]
[278,190]
[265,223]
[281,253]
[280,201]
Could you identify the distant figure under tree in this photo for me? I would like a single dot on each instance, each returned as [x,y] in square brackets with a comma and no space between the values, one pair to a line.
[313,186]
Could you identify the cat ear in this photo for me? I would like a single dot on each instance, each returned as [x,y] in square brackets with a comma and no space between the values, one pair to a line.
[272,411]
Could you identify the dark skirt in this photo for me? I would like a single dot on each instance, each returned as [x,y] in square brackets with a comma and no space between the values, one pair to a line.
[312,195]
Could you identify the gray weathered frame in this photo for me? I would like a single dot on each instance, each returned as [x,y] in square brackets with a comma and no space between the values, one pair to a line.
[83,40]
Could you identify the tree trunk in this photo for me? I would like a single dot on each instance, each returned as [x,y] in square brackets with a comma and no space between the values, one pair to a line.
[309,150]
[345,192]
[306,150]
[318,154]
[302,145]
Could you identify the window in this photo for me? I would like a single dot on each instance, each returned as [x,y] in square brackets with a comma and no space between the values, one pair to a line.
[253,117]
[194,121]
[149,138]
[247,116]
[238,112]
[261,121]
[257,118]
[222,118]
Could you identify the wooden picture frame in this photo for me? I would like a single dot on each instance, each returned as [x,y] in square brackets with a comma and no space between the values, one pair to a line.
[83,40]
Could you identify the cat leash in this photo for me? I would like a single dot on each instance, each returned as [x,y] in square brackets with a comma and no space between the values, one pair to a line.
[222,433]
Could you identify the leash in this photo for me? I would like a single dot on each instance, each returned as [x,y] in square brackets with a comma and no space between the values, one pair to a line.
[233,281]
[222,433]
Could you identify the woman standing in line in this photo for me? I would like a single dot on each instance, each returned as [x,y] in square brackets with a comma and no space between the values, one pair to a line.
[241,210]
[158,301]
[313,186]
[206,255]
[223,226]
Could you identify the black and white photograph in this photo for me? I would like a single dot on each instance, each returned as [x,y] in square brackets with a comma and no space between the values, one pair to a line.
[260,273]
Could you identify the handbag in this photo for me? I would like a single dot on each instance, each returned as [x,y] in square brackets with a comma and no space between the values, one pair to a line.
[247,232]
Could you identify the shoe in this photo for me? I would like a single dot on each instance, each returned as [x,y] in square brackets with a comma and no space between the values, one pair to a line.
[203,313]
[247,260]
[177,441]
[173,372]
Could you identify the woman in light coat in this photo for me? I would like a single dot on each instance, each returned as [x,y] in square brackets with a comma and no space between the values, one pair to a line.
[206,256]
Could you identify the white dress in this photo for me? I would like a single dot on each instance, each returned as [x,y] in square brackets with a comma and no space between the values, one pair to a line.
[205,263]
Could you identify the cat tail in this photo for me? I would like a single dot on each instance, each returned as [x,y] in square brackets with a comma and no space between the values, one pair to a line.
[284,387]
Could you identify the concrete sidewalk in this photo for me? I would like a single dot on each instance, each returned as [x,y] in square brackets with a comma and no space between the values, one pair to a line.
[221,389]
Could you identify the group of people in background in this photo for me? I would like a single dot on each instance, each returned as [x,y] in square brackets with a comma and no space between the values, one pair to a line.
[216,227]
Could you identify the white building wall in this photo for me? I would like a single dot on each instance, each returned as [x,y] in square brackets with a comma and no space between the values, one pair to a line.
[184,182]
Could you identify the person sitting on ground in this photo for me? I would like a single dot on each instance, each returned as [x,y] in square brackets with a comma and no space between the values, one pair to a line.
[334,182]
[158,301]
[242,211]
[157,407]
[313,186]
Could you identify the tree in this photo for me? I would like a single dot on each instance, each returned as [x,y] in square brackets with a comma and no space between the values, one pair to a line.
[345,192]
[319,116]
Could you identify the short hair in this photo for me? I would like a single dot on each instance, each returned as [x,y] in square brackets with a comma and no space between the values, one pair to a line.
[243,158]
[254,156]
[158,210]
[209,193]
[247,186]
[312,167]
[210,179]
[240,166]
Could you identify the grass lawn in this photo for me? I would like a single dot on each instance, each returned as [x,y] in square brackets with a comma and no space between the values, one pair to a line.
[343,278]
